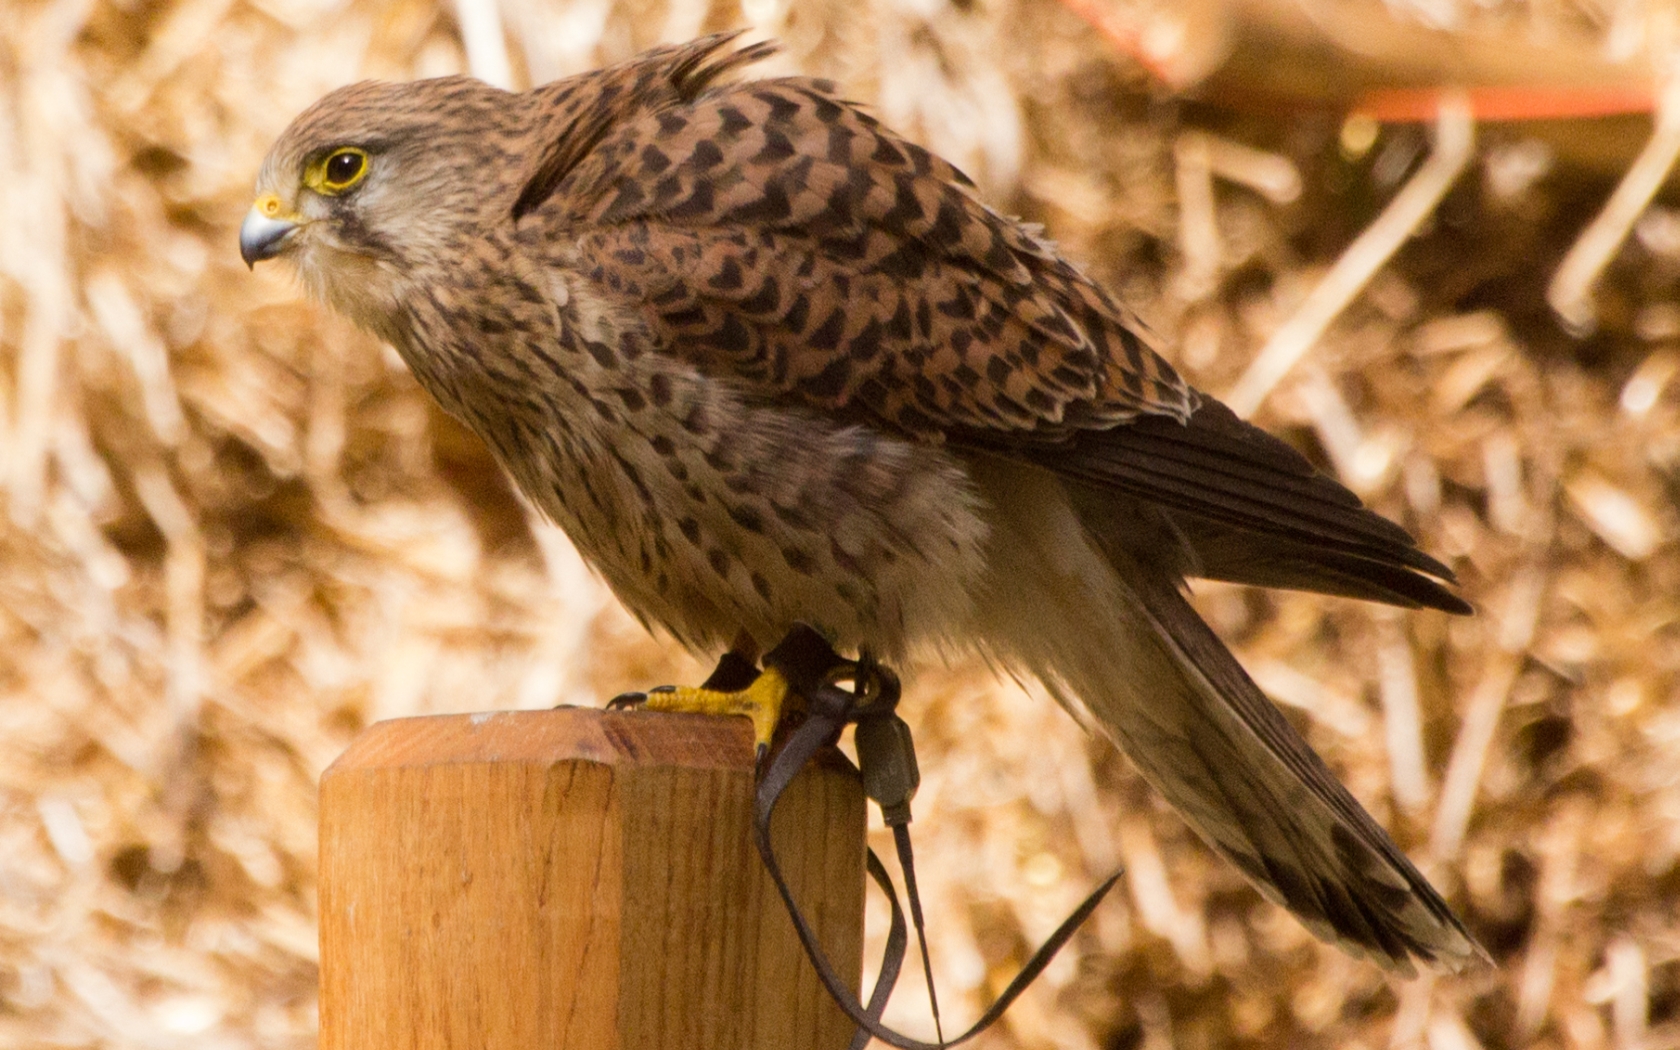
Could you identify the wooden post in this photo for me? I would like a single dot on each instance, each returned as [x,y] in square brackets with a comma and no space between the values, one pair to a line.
[578,879]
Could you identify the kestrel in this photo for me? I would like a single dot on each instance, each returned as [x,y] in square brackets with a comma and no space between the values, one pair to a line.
[765,361]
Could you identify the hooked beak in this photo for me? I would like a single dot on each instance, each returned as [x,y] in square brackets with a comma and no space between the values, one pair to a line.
[264,232]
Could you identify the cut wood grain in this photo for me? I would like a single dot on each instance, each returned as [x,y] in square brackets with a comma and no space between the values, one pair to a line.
[577,878]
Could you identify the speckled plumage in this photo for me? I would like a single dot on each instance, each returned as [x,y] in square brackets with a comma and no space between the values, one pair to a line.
[766,362]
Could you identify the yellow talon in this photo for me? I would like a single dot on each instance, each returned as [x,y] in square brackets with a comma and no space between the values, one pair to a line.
[762,702]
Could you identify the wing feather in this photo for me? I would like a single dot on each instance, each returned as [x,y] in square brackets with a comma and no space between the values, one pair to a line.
[779,233]
[775,233]
[1254,510]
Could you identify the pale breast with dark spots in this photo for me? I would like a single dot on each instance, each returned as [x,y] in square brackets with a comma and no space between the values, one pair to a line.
[706,509]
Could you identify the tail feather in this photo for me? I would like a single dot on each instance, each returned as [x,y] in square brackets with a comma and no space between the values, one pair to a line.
[1096,623]
[1324,857]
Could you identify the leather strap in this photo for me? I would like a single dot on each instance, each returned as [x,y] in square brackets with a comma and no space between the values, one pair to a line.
[813,671]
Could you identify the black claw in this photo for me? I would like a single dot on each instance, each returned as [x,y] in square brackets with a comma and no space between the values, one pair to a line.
[760,761]
[626,701]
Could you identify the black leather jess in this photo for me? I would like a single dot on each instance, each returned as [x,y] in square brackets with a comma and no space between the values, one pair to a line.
[887,767]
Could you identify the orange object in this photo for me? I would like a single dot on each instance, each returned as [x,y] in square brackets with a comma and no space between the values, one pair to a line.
[1360,56]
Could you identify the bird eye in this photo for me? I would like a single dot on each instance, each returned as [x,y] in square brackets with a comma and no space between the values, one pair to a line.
[342,169]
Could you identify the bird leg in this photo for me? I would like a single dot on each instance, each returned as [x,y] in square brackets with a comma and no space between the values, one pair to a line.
[737,668]
[735,687]
[802,661]
[760,701]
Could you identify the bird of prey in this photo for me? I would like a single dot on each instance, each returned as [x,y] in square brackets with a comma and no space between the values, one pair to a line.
[767,362]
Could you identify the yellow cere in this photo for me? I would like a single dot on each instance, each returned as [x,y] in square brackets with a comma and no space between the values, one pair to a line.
[269,206]
[337,171]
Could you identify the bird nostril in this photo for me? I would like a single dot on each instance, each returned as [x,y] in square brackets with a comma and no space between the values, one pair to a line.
[264,232]
[269,205]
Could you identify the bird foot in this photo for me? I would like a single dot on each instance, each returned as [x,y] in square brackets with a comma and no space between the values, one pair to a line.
[736,670]
[803,661]
[761,701]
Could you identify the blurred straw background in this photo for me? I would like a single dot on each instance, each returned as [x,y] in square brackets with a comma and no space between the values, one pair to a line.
[234,532]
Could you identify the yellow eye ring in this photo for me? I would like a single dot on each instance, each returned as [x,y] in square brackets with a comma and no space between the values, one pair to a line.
[338,170]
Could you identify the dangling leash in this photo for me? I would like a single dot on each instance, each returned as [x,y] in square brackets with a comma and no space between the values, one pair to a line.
[887,766]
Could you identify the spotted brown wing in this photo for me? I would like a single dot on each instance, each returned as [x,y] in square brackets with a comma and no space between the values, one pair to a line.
[776,233]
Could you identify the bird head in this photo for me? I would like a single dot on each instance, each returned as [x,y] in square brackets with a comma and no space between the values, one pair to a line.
[376,182]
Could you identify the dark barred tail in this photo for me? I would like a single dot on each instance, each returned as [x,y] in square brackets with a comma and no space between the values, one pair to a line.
[1111,633]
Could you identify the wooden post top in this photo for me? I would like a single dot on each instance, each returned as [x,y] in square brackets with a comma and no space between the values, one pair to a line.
[541,880]
[616,738]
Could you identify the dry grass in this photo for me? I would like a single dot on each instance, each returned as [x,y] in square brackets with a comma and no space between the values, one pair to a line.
[234,533]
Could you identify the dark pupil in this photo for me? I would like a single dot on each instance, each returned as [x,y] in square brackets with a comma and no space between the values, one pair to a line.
[342,167]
